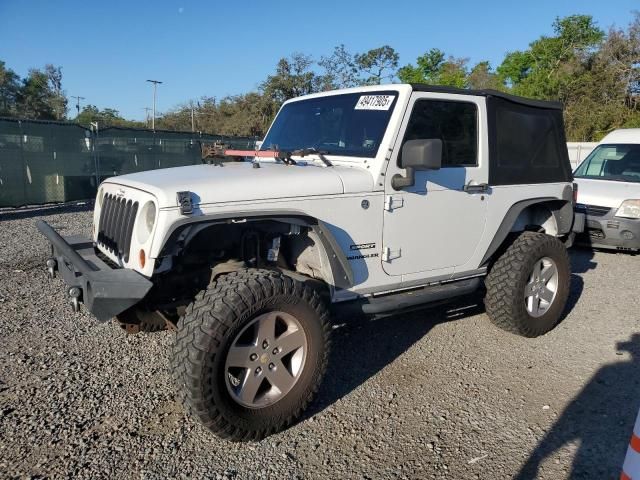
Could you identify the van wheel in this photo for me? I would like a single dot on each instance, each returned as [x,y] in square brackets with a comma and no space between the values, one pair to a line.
[250,353]
[528,286]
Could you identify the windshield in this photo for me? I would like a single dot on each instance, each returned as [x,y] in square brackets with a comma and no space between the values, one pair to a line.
[352,124]
[619,162]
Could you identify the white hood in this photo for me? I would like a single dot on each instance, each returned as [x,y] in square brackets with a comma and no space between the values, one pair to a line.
[606,193]
[241,182]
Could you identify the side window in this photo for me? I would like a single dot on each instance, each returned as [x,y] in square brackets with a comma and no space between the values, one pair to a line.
[455,123]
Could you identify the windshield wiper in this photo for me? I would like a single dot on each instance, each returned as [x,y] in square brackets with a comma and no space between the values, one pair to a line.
[285,155]
[302,152]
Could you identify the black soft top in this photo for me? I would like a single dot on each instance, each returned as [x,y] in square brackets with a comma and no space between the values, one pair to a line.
[527,144]
[530,102]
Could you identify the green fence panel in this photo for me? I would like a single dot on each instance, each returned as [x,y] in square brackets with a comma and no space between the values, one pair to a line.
[47,162]
[12,172]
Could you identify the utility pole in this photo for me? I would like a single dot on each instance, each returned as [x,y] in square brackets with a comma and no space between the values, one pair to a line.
[193,123]
[77,102]
[153,118]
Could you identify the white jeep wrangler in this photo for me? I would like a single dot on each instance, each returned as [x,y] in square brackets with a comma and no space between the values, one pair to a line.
[377,199]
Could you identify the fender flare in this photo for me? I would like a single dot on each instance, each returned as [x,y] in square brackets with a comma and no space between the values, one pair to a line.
[340,267]
[561,209]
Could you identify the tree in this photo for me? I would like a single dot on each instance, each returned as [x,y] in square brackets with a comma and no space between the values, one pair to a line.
[435,69]
[340,69]
[293,78]
[41,96]
[595,76]
[9,86]
[107,117]
[481,77]
[34,97]
[545,70]
[515,67]
[604,93]
[58,99]
[242,115]
[378,64]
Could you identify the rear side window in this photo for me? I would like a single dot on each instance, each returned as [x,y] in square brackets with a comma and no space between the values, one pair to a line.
[455,123]
[526,143]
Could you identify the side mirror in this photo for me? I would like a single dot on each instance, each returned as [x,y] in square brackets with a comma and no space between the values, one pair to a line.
[418,155]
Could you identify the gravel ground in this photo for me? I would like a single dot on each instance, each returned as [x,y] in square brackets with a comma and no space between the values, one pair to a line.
[435,394]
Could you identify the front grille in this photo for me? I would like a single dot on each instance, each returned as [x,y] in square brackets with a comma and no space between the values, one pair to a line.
[596,211]
[116,225]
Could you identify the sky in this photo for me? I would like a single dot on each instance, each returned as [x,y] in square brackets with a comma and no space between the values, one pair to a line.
[107,50]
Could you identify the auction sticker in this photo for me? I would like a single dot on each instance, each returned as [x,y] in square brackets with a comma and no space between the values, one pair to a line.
[374,102]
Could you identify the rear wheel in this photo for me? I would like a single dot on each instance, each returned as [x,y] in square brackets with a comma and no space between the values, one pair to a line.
[528,286]
[251,352]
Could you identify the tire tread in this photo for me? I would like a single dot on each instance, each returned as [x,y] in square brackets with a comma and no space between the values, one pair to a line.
[503,284]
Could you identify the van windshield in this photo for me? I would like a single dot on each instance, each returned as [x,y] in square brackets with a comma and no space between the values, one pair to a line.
[617,162]
[351,124]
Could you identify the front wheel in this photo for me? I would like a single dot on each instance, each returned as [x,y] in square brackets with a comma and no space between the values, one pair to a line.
[251,352]
[528,286]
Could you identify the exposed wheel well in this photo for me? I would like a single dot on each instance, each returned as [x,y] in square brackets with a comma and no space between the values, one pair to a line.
[547,215]
[198,252]
[538,217]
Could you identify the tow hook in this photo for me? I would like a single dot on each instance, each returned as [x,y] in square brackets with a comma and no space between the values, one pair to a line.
[52,266]
[75,294]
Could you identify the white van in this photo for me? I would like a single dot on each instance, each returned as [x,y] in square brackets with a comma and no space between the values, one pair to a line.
[609,192]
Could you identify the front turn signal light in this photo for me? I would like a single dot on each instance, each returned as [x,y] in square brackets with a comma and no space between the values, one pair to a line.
[142,258]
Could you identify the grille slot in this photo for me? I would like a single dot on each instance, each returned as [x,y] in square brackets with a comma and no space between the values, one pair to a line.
[596,211]
[116,225]
[596,233]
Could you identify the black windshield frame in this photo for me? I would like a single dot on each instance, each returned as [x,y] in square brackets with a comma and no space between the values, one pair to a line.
[623,169]
[331,124]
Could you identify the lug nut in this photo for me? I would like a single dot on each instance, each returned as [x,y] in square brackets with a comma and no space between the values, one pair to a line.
[265,344]
[253,356]
[258,371]
[271,366]
[276,351]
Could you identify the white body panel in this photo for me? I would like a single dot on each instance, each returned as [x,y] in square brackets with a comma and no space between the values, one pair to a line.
[609,193]
[425,231]
[238,181]
[623,135]
[606,193]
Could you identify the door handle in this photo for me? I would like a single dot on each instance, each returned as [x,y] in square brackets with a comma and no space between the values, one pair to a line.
[476,187]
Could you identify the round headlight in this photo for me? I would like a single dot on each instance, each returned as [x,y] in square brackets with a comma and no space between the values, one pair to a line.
[146,221]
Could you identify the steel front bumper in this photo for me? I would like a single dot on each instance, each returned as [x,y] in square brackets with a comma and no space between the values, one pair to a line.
[105,291]
[609,231]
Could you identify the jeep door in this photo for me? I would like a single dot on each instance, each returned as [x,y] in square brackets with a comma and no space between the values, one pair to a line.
[436,224]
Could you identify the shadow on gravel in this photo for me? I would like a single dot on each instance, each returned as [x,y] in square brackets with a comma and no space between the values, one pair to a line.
[600,420]
[44,210]
[362,347]
[582,260]
[575,292]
